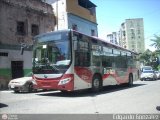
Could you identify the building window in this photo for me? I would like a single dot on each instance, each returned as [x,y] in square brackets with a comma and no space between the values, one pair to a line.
[139,32]
[92,11]
[3,54]
[35,30]
[20,28]
[93,33]
[124,33]
[74,27]
[132,34]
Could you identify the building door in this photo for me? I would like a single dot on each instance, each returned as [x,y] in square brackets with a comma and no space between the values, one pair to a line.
[17,69]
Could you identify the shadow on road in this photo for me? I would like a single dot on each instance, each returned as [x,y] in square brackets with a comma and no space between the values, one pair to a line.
[88,92]
[3,105]
[35,91]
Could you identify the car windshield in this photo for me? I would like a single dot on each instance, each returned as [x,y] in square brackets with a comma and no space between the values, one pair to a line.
[51,54]
[147,68]
[148,71]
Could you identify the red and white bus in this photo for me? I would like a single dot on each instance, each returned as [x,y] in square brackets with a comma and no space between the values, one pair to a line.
[68,60]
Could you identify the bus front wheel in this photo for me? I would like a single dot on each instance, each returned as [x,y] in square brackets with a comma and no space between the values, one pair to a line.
[96,83]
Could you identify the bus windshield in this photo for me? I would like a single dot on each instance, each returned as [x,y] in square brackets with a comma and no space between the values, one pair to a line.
[51,53]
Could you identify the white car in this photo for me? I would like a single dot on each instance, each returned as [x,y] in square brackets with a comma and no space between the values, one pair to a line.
[22,84]
[145,68]
[158,74]
[148,75]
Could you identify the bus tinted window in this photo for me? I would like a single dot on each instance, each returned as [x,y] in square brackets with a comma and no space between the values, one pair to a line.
[82,54]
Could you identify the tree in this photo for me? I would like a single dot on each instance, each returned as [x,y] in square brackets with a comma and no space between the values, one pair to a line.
[150,58]
[155,60]
[146,57]
[156,42]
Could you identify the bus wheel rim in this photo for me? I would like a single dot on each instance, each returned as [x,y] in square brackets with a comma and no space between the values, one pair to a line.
[96,83]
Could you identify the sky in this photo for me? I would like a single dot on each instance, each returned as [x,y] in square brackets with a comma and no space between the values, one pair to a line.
[111,13]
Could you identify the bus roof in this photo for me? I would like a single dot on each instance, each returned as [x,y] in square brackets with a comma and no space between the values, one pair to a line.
[102,40]
[50,33]
[94,37]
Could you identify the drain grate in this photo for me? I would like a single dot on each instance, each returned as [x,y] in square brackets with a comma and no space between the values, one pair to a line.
[158,108]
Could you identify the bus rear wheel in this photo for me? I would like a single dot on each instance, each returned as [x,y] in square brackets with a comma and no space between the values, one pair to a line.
[96,83]
[130,82]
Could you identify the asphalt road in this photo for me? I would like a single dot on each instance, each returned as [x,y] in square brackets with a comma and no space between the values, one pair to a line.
[142,98]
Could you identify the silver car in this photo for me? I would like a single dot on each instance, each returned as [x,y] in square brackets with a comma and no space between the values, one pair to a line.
[148,75]
[22,84]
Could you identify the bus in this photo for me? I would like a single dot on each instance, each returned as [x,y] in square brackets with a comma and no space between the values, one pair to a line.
[68,60]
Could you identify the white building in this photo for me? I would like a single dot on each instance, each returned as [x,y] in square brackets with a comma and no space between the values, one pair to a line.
[132,35]
[113,38]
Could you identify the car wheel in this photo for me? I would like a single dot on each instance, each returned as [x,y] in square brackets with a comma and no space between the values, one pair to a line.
[30,87]
[16,91]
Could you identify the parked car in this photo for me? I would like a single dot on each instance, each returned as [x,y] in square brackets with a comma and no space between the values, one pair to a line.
[158,74]
[148,75]
[22,84]
[145,68]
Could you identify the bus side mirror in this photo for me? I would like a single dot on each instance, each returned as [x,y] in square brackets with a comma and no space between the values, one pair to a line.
[22,48]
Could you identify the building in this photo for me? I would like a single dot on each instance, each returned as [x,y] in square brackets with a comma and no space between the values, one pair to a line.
[79,15]
[20,20]
[113,38]
[132,35]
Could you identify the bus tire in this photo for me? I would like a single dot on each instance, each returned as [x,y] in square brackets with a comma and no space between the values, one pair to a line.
[96,83]
[130,82]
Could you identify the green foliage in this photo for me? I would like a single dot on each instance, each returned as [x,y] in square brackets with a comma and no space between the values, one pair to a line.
[158,67]
[146,57]
[156,42]
[150,58]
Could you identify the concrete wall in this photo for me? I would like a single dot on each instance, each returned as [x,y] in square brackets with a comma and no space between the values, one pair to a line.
[16,10]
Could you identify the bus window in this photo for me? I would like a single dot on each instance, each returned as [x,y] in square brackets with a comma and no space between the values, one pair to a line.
[107,60]
[82,59]
[96,55]
[95,60]
[82,54]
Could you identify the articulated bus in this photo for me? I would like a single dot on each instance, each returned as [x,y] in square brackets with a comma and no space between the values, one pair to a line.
[68,60]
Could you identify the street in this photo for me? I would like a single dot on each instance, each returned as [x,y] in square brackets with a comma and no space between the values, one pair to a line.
[142,98]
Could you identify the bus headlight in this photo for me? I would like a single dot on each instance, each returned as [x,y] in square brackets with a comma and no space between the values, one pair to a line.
[64,81]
